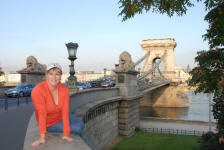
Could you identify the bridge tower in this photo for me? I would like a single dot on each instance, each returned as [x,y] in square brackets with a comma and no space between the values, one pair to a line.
[157,47]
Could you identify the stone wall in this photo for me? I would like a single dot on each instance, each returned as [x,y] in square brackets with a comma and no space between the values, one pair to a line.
[128,117]
[98,108]
[106,115]
[103,128]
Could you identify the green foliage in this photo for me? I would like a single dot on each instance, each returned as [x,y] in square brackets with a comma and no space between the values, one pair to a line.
[208,75]
[156,141]
[209,141]
[137,129]
[218,111]
[215,18]
[169,7]
[1,72]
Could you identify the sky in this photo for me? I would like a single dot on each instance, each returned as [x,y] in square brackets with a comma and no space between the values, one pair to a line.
[41,29]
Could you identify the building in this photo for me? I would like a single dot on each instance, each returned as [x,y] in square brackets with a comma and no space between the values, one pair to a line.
[181,75]
[14,78]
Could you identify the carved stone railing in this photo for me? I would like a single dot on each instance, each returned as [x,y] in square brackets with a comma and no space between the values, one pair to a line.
[91,95]
[101,123]
[100,115]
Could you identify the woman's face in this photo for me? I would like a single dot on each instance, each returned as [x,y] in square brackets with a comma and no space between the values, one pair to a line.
[53,77]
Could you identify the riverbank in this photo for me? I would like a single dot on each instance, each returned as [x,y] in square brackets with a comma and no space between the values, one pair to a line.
[165,123]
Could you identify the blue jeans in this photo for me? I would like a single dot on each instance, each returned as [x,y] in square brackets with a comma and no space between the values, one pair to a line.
[76,125]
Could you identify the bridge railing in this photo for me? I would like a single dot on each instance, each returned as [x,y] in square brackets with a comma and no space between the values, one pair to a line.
[91,95]
[174,131]
[98,108]
[147,83]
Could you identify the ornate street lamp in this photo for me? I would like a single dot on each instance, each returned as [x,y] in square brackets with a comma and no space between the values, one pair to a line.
[72,50]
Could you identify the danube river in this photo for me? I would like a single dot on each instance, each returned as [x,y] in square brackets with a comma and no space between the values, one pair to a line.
[198,109]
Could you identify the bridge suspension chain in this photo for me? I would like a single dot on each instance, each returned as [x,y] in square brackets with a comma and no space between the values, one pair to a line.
[141,59]
[156,66]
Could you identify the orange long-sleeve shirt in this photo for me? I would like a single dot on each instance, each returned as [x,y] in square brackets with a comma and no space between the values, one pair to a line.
[46,111]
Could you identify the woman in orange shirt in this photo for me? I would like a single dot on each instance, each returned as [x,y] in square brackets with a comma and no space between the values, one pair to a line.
[51,104]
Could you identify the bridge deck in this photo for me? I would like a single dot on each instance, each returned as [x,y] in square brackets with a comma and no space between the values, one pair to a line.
[155,87]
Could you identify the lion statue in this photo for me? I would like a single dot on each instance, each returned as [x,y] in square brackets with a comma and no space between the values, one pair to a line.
[32,65]
[125,62]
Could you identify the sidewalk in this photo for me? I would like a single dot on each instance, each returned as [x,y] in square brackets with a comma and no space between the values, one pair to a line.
[190,125]
[13,125]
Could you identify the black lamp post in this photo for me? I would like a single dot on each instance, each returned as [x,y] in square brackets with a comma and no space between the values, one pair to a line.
[72,50]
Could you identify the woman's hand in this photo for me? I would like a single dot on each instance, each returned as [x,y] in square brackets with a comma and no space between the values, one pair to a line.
[40,141]
[67,138]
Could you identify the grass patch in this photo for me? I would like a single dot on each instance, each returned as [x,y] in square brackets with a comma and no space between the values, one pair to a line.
[157,141]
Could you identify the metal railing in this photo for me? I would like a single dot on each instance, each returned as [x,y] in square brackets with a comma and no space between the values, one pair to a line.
[91,114]
[174,131]
[147,83]
[18,101]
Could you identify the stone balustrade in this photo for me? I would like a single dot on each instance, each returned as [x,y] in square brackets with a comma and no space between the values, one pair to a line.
[91,95]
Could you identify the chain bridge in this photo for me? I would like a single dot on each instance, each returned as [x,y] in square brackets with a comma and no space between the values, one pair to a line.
[112,112]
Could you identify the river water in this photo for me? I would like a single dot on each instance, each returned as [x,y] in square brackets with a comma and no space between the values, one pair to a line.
[198,109]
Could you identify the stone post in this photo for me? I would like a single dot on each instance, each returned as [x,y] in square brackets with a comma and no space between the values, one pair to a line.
[157,47]
[128,110]
[34,72]
[72,81]
[31,77]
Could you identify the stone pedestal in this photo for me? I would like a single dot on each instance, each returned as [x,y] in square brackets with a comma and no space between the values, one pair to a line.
[128,110]
[128,116]
[31,77]
[72,81]
[34,72]
[127,83]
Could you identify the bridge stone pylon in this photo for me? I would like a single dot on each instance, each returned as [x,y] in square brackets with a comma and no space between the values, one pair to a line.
[157,47]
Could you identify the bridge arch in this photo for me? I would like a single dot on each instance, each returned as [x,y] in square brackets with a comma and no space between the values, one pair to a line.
[157,47]
[155,61]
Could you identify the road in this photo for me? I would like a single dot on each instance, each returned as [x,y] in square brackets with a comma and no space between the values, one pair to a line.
[12,102]
[13,125]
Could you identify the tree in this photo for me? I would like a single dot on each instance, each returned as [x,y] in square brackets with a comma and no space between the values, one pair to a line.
[1,72]
[215,16]
[169,7]
[208,75]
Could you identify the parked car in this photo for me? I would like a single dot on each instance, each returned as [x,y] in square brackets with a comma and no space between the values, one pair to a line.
[20,90]
[107,83]
[95,84]
[83,85]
